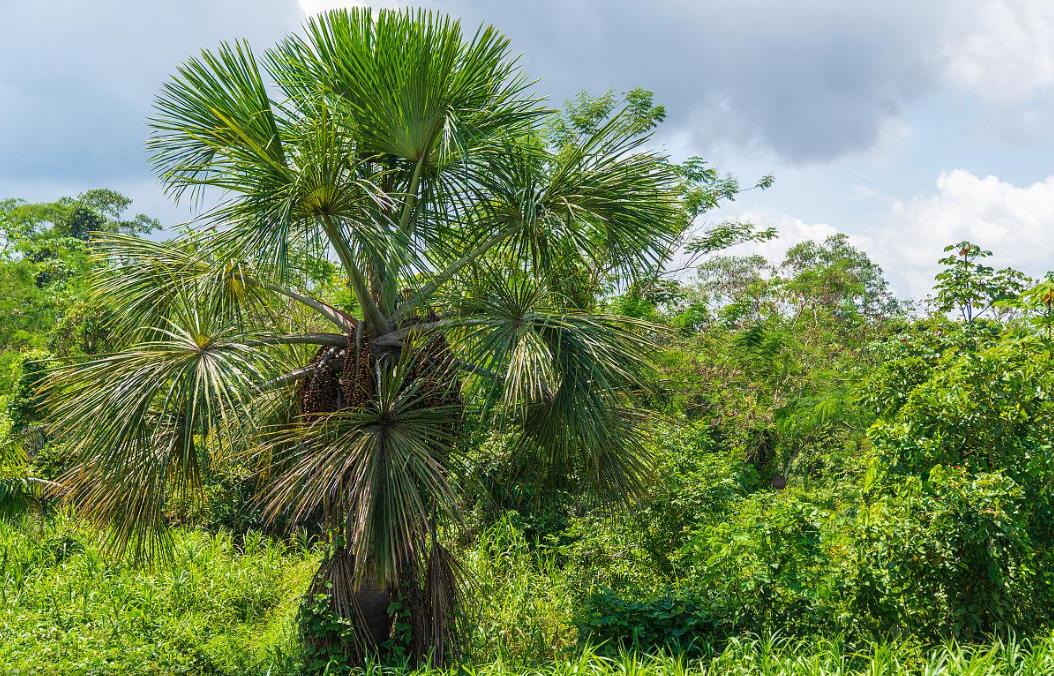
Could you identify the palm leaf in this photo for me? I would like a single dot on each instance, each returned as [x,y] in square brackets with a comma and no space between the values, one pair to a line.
[380,471]
[136,420]
[563,382]
[414,87]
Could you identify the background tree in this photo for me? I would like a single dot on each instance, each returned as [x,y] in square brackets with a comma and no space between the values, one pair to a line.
[970,288]
[44,271]
[1037,305]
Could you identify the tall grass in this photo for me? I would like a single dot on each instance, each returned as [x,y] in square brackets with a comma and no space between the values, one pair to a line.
[520,610]
[763,657]
[219,607]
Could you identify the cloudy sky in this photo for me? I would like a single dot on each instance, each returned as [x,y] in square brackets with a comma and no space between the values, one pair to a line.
[908,125]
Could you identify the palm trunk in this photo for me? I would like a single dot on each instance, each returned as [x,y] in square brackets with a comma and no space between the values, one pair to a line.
[345,615]
[342,619]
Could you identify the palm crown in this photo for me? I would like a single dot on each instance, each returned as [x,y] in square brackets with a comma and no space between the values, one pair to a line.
[473,252]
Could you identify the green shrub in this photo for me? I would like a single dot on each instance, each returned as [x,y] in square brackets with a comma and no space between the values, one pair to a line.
[667,622]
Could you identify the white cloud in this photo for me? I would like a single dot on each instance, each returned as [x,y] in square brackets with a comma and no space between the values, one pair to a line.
[312,7]
[1015,222]
[1002,49]
[791,231]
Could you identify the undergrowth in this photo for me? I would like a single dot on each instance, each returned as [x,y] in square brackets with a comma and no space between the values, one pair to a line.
[218,606]
[228,606]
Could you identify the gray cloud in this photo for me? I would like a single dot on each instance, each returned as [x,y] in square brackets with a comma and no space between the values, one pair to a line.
[809,80]
[77,78]
[803,83]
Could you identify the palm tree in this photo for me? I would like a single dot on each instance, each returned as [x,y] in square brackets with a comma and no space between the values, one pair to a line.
[470,255]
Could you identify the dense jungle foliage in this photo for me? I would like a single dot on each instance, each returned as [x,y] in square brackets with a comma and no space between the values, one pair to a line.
[449,380]
[831,465]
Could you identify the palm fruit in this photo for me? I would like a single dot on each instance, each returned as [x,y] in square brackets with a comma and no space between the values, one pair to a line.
[320,392]
[357,379]
[345,377]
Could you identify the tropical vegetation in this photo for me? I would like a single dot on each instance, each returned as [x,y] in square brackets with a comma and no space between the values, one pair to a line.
[443,379]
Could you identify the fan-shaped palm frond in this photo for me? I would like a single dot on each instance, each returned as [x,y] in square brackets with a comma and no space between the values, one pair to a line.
[620,211]
[153,282]
[606,207]
[216,126]
[563,378]
[415,87]
[380,471]
[135,420]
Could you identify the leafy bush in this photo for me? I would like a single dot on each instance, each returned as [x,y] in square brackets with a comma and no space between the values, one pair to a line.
[668,622]
[937,524]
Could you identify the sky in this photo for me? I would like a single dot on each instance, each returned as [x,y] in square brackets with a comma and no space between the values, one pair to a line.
[906,125]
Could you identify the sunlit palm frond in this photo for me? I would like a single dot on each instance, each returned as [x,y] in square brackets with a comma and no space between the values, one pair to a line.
[604,209]
[136,420]
[214,124]
[415,88]
[326,179]
[616,200]
[563,379]
[277,169]
[147,283]
[423,104]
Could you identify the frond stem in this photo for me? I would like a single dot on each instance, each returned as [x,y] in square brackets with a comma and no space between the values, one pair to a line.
[374,317]
[411,196]
[443,277]
[333,339]
[395,338]
[328,311]
[292,376]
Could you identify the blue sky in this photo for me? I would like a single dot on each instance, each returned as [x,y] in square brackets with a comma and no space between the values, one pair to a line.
[907,124]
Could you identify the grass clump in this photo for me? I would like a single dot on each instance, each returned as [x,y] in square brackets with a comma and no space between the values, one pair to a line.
[791,657]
